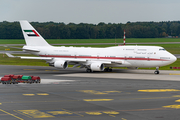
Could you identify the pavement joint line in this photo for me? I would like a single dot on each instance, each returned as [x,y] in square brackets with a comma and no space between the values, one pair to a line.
[124,110]
[95,92]
[96,100]
[11,114]
[22,114]
[42,101]
[97,113]
[174,96]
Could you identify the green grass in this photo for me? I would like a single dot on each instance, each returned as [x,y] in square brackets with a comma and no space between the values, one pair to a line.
[5,60]
[12,41]
[63,41]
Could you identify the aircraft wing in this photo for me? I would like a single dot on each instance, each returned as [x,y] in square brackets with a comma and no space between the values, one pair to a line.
[44,58]
[25,57]
[70,60]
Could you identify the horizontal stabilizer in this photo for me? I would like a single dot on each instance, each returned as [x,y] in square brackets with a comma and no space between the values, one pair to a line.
[27,49]
[9,55]
[30,49]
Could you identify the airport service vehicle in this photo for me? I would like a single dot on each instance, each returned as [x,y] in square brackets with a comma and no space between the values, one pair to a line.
[93,59]
[6,80]
[36,79]
[15,79]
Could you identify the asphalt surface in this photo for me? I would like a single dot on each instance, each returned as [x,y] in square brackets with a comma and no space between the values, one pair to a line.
[72,94]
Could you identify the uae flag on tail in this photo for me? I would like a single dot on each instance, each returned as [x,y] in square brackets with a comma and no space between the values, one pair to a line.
[31,33]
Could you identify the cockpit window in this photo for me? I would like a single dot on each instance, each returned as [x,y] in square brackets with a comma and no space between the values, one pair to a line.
[162,49]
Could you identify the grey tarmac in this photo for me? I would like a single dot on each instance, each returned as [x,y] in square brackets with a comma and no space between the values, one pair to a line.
[74,94]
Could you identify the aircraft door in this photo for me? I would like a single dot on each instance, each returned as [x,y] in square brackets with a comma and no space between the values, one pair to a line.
[75,55]
[98,55]
[149,54]
[125,57]
[135,49]
[45,52]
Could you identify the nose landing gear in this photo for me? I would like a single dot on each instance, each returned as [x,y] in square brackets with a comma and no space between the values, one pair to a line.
[156,71]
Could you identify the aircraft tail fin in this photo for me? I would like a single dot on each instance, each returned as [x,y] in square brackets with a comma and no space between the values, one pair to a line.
[31,36]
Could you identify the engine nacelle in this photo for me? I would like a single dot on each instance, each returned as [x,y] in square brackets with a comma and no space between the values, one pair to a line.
[97,67]
[60,64]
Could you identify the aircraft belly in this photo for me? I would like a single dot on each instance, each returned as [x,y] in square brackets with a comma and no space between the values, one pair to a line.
[145,63]
[149,64]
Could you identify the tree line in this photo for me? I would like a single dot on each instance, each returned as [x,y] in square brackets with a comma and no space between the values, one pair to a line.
[52,30]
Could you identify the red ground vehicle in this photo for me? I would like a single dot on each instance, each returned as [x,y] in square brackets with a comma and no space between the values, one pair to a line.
[15,79]
[6,80]
[36,79]
[10,75]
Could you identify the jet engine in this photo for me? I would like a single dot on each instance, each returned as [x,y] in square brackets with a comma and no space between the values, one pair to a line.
[97,67]
[60,64]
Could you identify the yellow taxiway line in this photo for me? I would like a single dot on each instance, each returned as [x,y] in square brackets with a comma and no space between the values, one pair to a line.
[90,100]
[11,114]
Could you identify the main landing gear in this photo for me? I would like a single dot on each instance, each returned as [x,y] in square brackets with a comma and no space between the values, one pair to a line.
[89,70]
[157,70]
[107,69]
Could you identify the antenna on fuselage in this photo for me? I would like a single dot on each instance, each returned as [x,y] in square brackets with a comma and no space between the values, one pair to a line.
[124,37]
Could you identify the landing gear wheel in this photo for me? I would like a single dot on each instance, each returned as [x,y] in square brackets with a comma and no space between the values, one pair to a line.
[88,70]
[156,72]
[107,70]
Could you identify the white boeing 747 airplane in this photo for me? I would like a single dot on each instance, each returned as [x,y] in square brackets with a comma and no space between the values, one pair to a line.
[93,59]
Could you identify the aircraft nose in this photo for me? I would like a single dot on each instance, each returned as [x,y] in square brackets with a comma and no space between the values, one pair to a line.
[173,58]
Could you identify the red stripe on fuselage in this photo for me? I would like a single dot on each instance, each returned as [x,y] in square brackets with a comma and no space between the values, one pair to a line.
[93,57]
